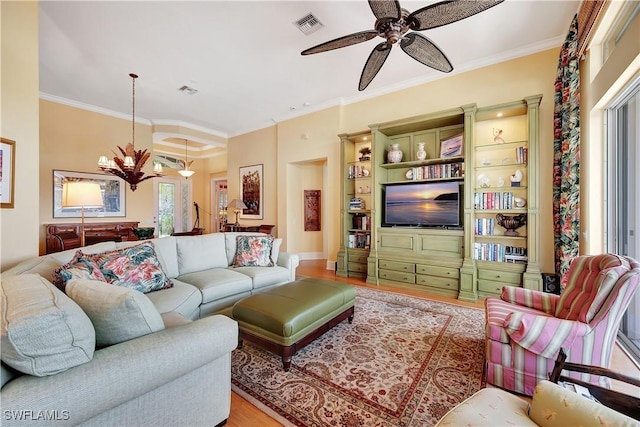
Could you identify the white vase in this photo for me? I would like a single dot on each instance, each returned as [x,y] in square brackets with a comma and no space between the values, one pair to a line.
[421,154]
[395,154]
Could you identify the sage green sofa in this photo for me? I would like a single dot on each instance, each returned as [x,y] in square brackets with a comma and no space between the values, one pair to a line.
[159,359]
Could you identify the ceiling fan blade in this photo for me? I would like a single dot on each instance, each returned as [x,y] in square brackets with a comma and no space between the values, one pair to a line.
[343,41]
[425,51]
[446,12]
[376,59]
[385,9]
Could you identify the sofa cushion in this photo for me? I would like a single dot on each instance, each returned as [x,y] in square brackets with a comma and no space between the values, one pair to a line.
[118,314]
[265,276]
[253,251]
[43,265]
[66,256]
[231,240]
[182,298]
[197,253]
[136,267]
[218,283]
[43,331]
[168,255]
[275,249]
[80,267]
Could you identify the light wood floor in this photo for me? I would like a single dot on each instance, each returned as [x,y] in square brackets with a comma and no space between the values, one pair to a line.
[244,414]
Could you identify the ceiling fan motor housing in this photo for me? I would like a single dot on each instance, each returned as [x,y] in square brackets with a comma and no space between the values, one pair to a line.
[392,29]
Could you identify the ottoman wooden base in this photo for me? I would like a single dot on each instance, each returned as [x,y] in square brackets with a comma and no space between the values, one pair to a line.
[285,319]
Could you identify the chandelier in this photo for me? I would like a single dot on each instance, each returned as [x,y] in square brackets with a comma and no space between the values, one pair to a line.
[186,172]
[129,167]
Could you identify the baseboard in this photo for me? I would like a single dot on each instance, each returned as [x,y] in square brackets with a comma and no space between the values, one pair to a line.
[331,265]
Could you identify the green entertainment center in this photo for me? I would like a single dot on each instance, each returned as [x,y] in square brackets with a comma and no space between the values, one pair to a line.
[456,213]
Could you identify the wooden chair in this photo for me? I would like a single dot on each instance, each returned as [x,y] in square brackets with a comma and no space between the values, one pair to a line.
[621,402]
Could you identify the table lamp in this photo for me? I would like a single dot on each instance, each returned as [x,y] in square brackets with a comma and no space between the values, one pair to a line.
[237,206]
[81,195]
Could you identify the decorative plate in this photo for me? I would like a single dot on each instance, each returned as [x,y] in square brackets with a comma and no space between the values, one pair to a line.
[483,181]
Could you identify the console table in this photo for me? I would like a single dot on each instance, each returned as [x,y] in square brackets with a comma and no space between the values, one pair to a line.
[60,237]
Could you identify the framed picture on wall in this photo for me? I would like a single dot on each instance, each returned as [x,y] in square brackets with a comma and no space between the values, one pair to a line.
[113,195]
[251,191]
[7,172]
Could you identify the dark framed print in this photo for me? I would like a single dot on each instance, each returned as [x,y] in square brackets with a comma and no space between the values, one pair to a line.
[251,191]
[311,210]
[7,172]
[113,195]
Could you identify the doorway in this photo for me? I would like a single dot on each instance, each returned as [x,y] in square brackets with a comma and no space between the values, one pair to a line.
[172,201]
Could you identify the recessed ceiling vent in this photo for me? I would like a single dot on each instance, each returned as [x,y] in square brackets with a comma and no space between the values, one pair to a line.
[188,90]
[308,24]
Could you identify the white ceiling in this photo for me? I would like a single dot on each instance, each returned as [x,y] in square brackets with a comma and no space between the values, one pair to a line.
[244,58]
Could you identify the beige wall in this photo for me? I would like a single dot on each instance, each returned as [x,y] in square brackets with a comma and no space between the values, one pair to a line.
[72,139]
[255,148]
[19,120]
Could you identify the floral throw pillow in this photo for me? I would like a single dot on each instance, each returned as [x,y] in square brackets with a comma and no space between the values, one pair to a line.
[80,267]
[136,267]
[253,251]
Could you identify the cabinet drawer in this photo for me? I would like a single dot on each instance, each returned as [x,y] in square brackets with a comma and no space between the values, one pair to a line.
[437,282]
[492,286]
[397,266]
[397,276]
[432,270]
[362,258]
[500,276]
[358,267]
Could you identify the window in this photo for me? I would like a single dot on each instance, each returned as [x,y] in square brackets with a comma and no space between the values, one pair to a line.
[623,187]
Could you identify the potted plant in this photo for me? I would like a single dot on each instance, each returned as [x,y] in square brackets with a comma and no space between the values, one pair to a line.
[365,154]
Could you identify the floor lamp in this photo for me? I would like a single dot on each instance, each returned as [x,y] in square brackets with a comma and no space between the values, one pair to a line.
[81,195]
[237,206]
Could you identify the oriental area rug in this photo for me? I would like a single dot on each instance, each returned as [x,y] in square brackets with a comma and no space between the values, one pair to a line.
[404,361]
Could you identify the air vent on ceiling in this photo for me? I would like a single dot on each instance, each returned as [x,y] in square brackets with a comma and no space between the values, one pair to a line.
[308,24]
[188,90]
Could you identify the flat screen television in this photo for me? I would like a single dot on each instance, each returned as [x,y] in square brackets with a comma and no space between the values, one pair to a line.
[423,204]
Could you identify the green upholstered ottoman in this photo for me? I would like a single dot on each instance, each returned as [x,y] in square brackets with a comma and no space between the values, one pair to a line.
[286,318]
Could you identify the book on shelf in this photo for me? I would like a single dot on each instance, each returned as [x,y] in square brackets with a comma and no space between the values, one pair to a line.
[499,252]
[488,200]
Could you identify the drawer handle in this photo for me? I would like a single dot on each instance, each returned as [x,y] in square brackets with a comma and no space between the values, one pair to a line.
[497,276]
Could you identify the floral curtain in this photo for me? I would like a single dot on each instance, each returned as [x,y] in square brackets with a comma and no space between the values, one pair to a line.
[566,162]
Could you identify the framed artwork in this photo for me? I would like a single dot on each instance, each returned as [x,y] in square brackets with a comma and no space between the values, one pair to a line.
[311,210]
[452,146]
[113,195]
[7,172]
[251,191]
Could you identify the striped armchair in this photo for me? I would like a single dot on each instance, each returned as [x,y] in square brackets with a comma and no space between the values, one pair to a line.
[525,329]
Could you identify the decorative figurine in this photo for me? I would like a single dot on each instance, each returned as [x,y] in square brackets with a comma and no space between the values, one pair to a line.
[516,178]
[497,138]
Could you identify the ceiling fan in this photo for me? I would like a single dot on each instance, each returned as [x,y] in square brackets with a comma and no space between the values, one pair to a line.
[393,24]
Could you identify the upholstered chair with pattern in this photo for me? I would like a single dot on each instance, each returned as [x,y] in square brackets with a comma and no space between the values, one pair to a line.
[525,329]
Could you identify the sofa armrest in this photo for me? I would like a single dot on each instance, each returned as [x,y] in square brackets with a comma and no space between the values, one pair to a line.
[290,262]
[122,372]
[553,405]
[537,300]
